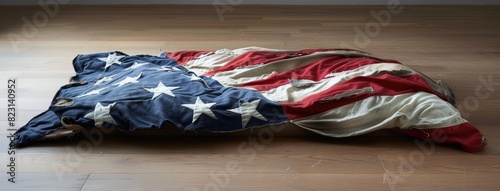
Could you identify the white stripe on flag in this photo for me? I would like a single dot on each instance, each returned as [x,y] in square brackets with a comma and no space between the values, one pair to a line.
[419,110]
[290,93]
[245,74]
[216,60]
[219,58]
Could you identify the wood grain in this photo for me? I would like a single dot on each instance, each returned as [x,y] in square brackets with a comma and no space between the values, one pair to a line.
[457,44]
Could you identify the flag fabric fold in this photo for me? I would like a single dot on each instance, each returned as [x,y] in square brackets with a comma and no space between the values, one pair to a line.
[333,92]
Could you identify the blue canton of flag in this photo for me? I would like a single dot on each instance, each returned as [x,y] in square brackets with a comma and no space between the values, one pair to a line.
[114,90]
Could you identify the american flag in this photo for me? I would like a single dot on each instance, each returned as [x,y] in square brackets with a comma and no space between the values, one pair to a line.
[333,92]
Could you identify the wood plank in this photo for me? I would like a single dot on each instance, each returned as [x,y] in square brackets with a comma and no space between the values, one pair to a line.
[422,161]
[44,181]
[379,143]
[261,181]
[290,182]
[250,161]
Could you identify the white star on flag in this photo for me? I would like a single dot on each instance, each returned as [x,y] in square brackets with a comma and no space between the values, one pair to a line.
[111,59]
[104,80]
[199,107]
[129,80]
[136,65]
[101,114]
[161,89]
[93,92]
[194,77]
[248,110]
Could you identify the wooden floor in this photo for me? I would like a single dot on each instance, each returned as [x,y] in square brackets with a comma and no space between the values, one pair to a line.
[458,44]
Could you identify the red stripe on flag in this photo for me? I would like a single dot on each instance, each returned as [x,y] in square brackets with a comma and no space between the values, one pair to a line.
[385,84]
[261,57]
[315,71]
[182,57]
[466,135]
[248,59]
